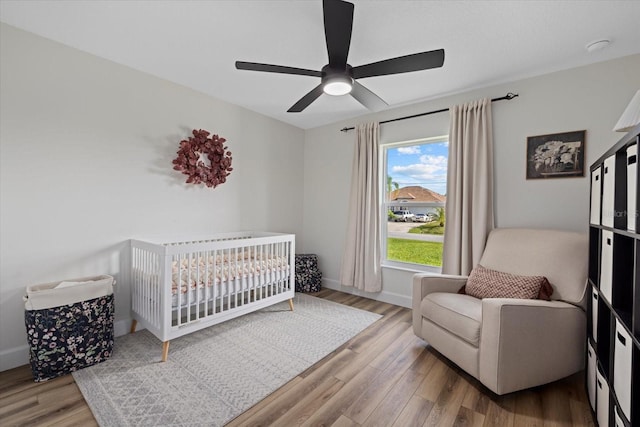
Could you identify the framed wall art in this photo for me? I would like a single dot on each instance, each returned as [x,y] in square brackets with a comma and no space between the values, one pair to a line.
[557,155]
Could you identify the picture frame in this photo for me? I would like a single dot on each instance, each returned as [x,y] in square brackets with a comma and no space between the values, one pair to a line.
[556,155]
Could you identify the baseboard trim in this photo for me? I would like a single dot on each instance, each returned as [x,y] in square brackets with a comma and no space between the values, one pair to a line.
[14,357]
[121,327]
[383,296]
[18,356]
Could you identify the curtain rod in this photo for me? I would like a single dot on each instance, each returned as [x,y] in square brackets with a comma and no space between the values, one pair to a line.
[509,96]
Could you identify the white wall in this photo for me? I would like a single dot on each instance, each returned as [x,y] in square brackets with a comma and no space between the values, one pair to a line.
[86,147]
[591,97]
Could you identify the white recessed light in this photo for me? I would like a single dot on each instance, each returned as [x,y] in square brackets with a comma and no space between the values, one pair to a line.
[597,45]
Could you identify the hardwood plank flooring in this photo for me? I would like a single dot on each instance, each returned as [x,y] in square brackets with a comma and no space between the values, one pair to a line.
[384,376]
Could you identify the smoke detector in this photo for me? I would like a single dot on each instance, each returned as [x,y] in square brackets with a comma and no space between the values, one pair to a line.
[597,45]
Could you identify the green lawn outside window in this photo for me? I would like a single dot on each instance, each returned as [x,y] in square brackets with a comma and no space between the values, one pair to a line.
[414,251]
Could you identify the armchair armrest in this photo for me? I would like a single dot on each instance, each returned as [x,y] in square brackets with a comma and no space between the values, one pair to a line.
[425,284]
[524,343]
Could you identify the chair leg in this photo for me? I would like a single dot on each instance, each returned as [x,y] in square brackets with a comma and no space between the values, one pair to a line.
[165,351]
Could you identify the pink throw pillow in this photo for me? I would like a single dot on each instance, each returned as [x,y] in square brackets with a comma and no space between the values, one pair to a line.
[487,283]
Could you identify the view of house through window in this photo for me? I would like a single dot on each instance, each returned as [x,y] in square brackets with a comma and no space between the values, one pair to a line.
[415,176]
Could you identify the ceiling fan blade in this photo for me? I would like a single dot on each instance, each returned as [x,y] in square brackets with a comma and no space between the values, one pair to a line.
[367,98]
[306,100]
[338,22]
[254,66]
[402,64]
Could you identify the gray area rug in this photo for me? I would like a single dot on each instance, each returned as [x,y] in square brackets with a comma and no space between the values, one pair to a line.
[214,375]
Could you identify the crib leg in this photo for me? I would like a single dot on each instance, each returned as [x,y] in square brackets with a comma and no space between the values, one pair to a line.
[291,304]
[134,323]
[165,351]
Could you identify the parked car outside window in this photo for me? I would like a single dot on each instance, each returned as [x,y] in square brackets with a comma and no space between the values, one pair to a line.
[403,216]
[420,217]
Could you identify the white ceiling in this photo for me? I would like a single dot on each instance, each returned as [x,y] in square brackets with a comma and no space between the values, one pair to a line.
[195,43]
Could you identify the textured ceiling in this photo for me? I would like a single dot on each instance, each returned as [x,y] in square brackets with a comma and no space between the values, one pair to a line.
[195,43]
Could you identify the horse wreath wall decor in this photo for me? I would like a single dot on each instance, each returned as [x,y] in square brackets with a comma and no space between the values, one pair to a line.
[204,159]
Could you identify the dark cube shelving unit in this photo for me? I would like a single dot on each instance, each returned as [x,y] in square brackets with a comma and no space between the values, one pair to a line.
[613,343]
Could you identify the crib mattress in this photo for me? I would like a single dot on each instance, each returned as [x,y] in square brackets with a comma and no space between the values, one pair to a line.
[208,277]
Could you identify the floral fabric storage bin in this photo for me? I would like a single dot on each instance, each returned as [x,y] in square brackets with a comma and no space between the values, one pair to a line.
[308,276]
[69,325]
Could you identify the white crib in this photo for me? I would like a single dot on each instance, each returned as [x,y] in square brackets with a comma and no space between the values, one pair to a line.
[182,287]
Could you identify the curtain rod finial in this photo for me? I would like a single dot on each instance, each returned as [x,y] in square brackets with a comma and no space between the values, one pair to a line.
[511,95]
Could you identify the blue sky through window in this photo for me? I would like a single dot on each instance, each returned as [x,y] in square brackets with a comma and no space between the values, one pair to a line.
[420,164]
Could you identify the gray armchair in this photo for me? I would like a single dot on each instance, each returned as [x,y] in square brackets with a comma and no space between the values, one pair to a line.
[511,344]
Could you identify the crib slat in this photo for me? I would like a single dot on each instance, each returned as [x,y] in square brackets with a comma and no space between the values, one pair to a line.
[141,284]
[153,278]
[270,265]
[210,280]
[274,279]
[175,308]
[175,322]
[213,282]
[160,292]
[278,272]
[179,292]
[146,286]
[218,283]
[261,275]
[198,287]
[235,281]
[155,296]
[227,289]
[189,290]
[134,290]
[252,275]
[243,276]
[265,266]
[274,268]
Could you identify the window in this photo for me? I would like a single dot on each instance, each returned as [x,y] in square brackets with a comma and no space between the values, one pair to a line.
[415,186]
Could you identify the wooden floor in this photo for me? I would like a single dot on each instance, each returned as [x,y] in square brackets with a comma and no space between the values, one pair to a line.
[385,376]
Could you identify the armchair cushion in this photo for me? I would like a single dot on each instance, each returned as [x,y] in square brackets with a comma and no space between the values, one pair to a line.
[486,283]
[560,256]
[460,315]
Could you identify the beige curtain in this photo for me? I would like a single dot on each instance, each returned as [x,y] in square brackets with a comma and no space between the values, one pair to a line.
[469,204]
[361,257]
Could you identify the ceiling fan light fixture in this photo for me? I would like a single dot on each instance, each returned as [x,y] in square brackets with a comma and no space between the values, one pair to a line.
[338,77]
[338,85]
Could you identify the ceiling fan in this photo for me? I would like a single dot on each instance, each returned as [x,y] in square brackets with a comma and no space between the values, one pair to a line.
[338,77]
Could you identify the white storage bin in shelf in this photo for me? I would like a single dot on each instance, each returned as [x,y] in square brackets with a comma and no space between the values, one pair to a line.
[591,375]
[606,265]
[632,179]
[594,314]
[608,190]
[622,368]
[596,188]
[602,400]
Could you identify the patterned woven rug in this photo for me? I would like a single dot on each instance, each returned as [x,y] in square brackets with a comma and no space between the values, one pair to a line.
[214,375]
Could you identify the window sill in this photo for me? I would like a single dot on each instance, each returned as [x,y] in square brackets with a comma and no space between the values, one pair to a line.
[412,268]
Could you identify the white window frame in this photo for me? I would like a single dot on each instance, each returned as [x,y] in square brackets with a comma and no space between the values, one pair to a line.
[398,265]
